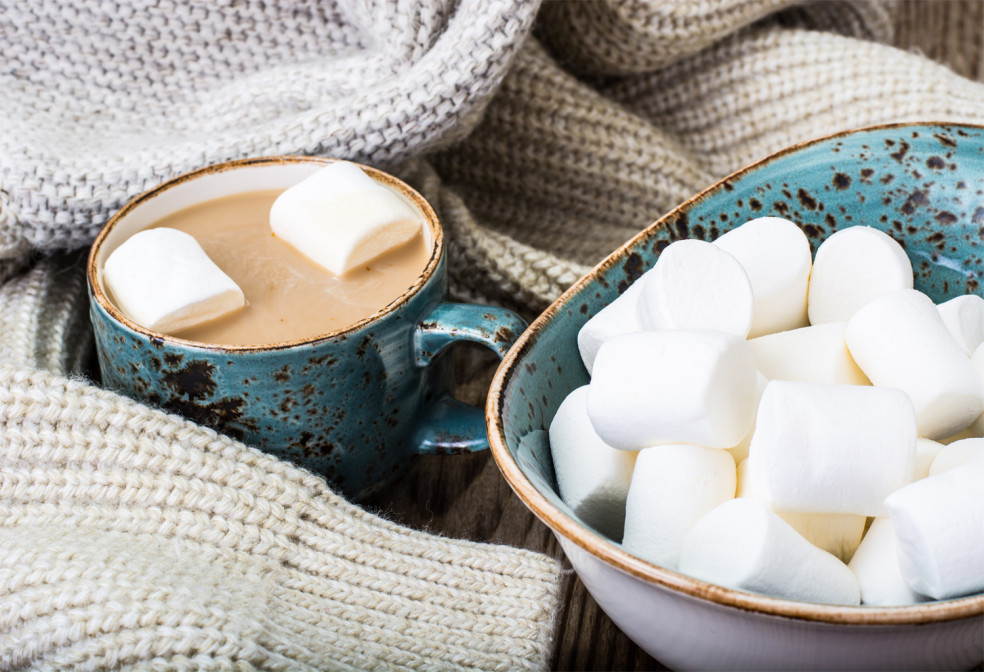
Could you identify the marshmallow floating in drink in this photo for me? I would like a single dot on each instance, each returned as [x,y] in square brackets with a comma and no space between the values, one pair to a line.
[964,317]
[816,354]
[672,386]
[673,486]
[775,254]
[163,280]
[697,285]
[939,522]
[854,266]
[742,544]
[339,217]
[832,448]
[593,478]
[876,566]
[900,341]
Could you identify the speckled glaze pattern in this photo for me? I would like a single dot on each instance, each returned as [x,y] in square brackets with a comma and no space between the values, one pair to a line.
[354,405]
[923,184]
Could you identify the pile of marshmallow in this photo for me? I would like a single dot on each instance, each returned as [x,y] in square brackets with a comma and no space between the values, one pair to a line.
[338,217]
[803,428]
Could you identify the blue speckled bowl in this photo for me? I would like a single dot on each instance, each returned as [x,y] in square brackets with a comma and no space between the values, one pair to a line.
[921,183]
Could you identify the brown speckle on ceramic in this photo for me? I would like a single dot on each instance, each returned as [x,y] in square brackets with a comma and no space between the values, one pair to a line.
[942,230]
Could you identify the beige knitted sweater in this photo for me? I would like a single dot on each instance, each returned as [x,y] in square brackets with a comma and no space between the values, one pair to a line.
[545,136]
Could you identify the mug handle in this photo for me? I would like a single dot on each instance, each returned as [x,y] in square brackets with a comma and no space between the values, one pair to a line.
[449,426]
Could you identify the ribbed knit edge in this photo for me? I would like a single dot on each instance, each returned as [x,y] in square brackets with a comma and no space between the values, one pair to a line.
[97,471]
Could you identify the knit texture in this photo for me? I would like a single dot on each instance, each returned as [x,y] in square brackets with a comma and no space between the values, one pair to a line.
[545,136]
[104,100]
[128,535]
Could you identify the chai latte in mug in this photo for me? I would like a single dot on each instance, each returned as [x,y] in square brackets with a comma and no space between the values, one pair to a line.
[288,297]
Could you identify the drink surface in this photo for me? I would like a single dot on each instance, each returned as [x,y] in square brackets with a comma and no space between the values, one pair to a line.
[288,297]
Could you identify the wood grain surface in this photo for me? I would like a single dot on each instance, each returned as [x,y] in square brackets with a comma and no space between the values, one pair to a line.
[466,497]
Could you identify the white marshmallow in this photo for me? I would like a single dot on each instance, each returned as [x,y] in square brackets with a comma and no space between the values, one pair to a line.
[674,386]
[939,522]
[810,355]
[621,316]
[742,544]
[739,451]
[964,317]
[899,340]
[976,428]
[876,566]
[972,432]
[673,486]
[854,266]
[926,452]
[832,448]
[593,478]
[162,279]
[776,255]
[697,285]
[955,454]
[837,533]
[339,217]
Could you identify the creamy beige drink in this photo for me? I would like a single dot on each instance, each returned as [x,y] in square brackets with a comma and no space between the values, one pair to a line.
[288,297]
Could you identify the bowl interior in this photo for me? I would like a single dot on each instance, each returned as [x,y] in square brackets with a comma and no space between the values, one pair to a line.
[923,184]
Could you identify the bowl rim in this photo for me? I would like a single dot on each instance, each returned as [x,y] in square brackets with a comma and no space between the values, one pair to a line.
[606,551]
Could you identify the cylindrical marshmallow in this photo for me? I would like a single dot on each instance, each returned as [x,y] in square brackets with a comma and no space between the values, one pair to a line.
[939,523]
[672,386]
[593,478]
[162,279]
[340,217]
[837,533]
[971,432]
[621,316]
[833,448]
[776,255]
[955,454]
[964,317]
[810,355]
[976,428]
[899,340]
[697,285]
[739,451]
[673,486]
[876,566]
[852,267]
[742,544]
[926,452]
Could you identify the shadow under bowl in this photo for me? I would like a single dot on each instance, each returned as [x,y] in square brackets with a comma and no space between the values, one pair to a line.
[921,183]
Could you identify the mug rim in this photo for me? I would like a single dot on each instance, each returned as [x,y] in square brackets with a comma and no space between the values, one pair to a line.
[99,296]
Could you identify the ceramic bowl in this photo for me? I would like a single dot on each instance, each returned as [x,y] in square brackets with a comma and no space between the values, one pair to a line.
[921,183]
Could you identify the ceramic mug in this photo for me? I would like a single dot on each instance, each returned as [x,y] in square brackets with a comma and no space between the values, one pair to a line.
[353,405]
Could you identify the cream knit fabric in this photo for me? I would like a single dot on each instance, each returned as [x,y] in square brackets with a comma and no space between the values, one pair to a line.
[571,160]
[129,536]
[545,136]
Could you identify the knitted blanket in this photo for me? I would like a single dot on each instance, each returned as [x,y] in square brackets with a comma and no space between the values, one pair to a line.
[545,136]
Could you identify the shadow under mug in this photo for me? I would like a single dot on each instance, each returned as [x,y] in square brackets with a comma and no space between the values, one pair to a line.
[353,405]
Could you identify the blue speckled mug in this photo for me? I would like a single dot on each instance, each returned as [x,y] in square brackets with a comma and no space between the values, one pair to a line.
[353,405]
